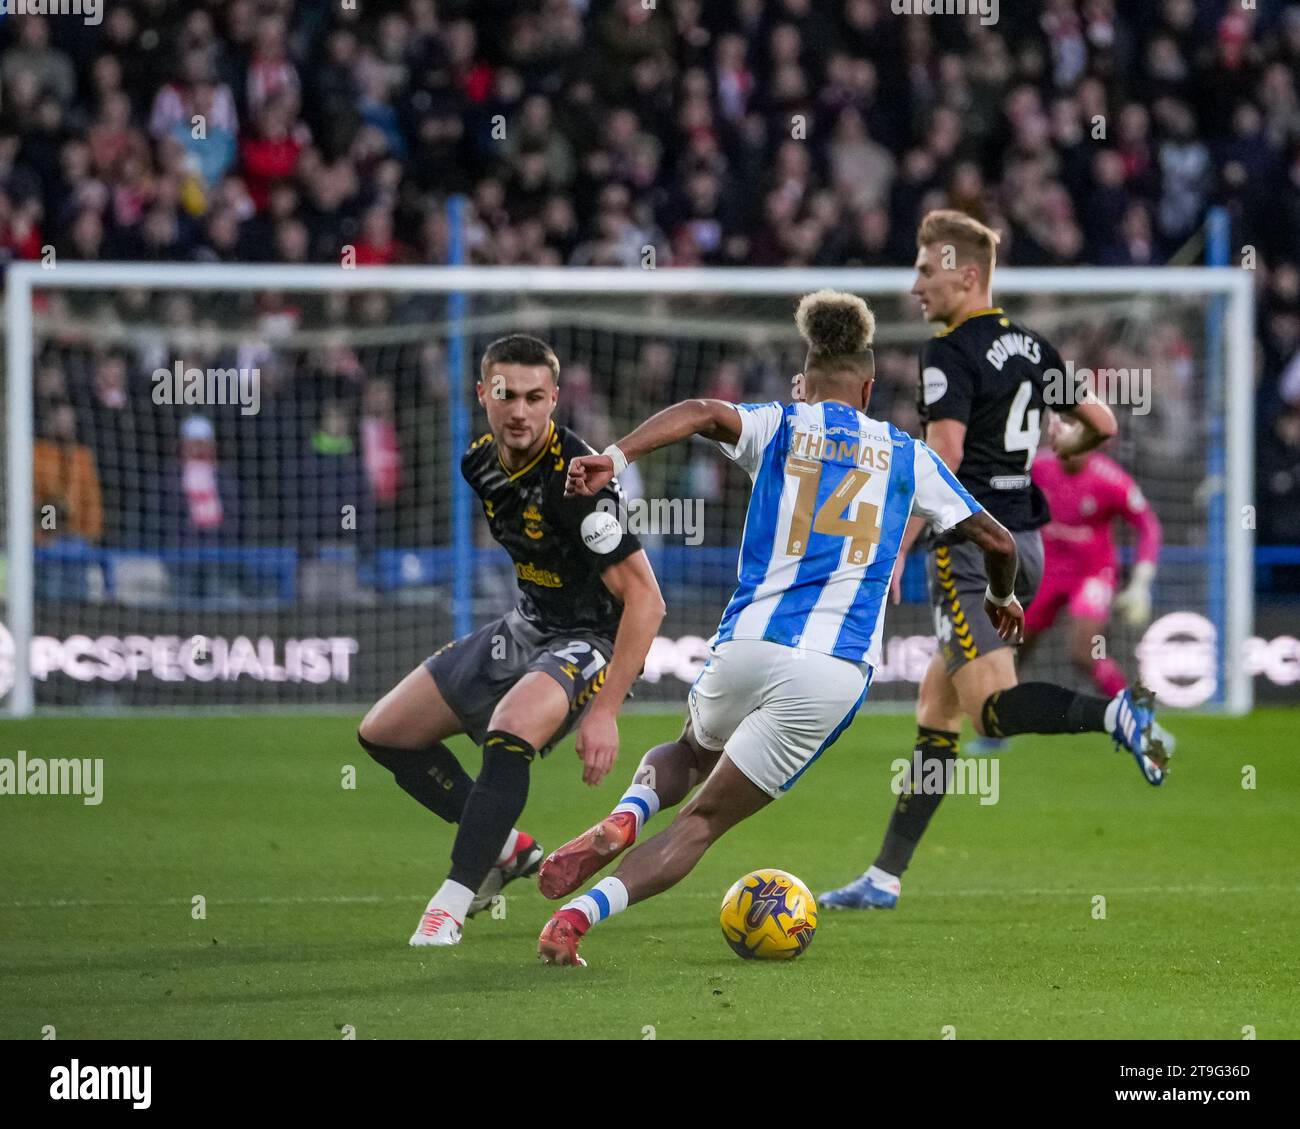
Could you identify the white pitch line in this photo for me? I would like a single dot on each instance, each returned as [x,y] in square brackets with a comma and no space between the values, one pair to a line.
[381,899]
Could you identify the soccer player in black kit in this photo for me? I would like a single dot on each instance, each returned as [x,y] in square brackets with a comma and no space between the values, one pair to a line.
[589,607]
[982,395]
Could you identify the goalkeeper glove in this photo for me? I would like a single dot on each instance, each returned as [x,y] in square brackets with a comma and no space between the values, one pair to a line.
[1134,602]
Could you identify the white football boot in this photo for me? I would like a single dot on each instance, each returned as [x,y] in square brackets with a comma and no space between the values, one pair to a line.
[437,927]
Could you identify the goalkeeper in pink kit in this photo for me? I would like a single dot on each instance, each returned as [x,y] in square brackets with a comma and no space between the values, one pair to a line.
[1086,493]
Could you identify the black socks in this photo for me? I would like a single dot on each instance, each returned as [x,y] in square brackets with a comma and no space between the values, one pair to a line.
[432,777]
[494,805]
[1042,707]
[1032,707]
[915,807]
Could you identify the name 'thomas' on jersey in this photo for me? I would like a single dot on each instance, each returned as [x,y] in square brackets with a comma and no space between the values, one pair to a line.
[990,374]
[832,492]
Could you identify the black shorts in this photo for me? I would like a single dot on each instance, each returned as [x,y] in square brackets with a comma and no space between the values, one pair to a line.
[474,673]
[957,586]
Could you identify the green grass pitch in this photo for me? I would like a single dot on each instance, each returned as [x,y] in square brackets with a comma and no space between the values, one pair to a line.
[312,891]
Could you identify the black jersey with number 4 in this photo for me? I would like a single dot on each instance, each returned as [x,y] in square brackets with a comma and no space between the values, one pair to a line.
[557,562]
[989,373]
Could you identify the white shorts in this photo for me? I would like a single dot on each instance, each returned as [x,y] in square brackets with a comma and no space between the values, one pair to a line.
[774,709]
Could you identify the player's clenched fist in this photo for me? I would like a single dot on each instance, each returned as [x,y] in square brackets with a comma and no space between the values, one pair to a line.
[588,474]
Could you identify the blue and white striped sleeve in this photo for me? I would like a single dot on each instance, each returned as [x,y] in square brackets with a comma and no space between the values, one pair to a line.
[940,498]
[758,424]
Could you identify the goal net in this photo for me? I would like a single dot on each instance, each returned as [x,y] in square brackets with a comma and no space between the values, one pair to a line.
[245,485]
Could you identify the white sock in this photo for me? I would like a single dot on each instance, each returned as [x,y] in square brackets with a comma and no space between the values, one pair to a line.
[606,898]
[641,801]
[884,879]
[512,841]
[454,898]
[1112,714]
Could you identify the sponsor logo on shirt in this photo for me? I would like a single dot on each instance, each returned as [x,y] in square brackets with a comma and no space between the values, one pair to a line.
[933,384]
[541,577]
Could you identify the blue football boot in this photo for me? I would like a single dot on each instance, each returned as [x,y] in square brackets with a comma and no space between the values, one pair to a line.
[1137,731]
[862,893]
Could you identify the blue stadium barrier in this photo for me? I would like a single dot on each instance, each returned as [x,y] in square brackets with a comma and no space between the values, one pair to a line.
[389,570]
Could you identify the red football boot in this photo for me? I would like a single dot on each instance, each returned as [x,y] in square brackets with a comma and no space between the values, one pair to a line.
[558,943]
[568,867]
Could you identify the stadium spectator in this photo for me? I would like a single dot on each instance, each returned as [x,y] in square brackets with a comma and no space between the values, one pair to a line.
[336,499]
[271,74]
[1279,481]
[112,138]
[20,235]
[200,499]
[379,444]
[123,441]
[33,54]
[68,501]
[69,510]
[271,154]
[378,246]
[194,91]
[210,138]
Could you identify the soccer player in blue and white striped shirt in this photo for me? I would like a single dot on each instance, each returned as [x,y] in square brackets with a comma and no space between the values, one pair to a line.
[794,654]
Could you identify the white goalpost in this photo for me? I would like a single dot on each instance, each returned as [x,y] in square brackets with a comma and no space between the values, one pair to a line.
[167,551]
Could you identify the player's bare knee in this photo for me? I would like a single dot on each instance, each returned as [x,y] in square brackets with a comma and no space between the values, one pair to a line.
[974,710]
[534,710]
[372,732]
[507,720]
[513,717]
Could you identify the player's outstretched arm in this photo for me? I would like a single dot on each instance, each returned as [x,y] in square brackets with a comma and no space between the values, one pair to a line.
[1000,564]
[1134,602]
[713,419]
[632,580]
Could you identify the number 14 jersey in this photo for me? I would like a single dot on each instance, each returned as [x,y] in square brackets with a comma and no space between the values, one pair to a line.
[832,492]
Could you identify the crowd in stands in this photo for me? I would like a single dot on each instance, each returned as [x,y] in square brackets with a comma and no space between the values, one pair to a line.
[583,132]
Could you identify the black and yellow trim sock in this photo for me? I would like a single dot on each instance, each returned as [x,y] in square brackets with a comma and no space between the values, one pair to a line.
[494,805]
[432,777]
[915,807]
[1042,707]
